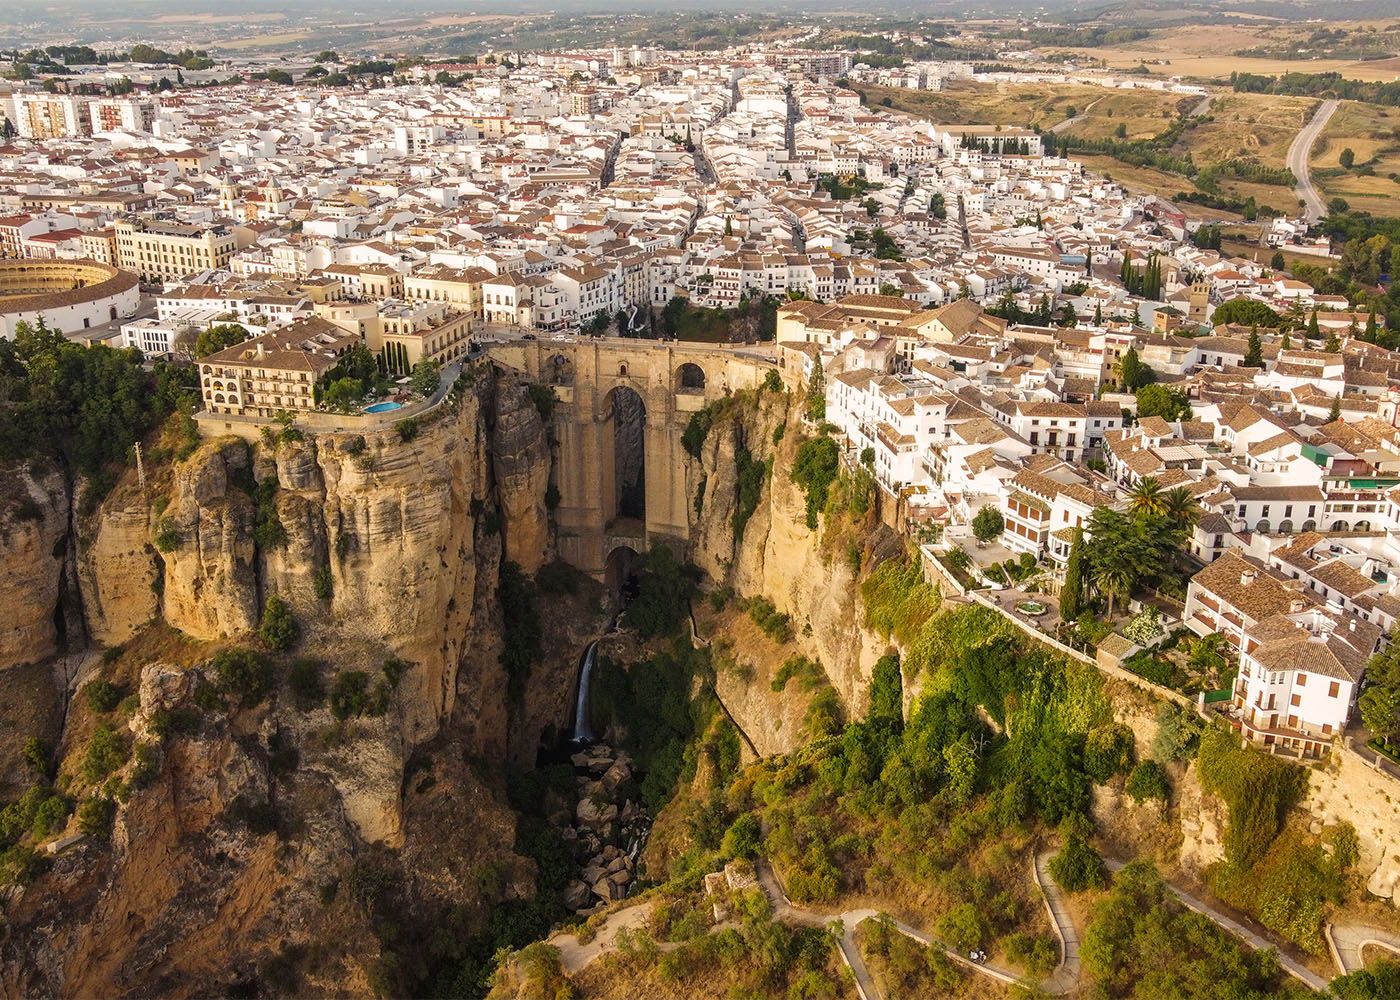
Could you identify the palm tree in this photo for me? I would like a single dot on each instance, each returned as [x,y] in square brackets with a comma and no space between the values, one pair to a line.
[1183,507]
[1147,497]
[1113,580]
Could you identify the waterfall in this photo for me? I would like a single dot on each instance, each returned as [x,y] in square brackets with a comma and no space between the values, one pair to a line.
[583,733]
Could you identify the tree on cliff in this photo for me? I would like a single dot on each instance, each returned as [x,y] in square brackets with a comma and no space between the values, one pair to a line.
[81,406]
[1380,704]
[816,392]
[278,629]
[426,377]
[1072,593]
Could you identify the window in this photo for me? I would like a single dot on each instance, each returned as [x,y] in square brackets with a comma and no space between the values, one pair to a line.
[1302,679]
[1295,700]
[1333,689]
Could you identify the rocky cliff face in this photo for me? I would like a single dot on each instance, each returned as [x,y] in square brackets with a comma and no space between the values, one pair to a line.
[778,556]
[33,533]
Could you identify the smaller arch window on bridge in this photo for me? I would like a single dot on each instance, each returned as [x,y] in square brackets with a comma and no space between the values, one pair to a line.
[690,378]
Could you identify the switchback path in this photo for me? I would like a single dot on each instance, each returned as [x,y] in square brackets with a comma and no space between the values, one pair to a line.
[1298,154]
[1348,941]
[1065,978]
[785,910]
[1295,969]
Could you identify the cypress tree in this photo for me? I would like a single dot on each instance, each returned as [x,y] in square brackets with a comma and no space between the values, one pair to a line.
[1333,345]
[1287,343]
[1254,351]
[1072,594]
[1313,333]
[1335,413]
[1371,325]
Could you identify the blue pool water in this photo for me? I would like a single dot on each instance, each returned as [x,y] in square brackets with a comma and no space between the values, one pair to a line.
[388,404]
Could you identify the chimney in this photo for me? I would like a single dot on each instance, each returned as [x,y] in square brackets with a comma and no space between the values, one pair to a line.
[1247,577]
[1351,625]
[1295,606]
[260,349]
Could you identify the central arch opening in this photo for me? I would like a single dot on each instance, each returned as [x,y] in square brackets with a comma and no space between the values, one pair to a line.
[627,416]
[690,377]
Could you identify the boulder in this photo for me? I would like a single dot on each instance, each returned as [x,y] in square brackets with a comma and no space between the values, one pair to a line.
[577,894]
[618,864]
[615,776]
[163,686]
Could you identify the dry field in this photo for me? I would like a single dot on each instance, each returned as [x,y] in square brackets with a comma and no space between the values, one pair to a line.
[1372,133]
[1208,51]
[1250,126]
[1145,112]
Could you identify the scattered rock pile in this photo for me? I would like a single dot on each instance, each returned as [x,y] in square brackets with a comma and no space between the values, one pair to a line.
[607,825]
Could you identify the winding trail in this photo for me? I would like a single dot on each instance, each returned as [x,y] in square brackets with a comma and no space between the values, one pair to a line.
[1065,978]
[1294,968]
[1298,154]
[1347,942]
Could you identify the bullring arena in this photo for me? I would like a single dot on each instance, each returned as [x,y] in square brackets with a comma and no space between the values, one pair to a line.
[69,295]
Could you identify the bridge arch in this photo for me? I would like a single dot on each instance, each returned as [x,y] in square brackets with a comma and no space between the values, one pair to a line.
[689,378]
[620,570]
[624,420]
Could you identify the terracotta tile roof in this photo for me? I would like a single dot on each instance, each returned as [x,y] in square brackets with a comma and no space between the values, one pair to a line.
[1248,585]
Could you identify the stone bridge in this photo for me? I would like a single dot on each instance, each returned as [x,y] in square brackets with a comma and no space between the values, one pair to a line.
[622,408]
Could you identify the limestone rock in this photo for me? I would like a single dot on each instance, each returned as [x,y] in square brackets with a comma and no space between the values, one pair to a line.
[520,460]
[577,895]
[32,527]
[615,776]
[210,584]
[163,687]
[117,566]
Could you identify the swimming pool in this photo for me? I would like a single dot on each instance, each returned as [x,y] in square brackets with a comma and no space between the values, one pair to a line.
[383,407]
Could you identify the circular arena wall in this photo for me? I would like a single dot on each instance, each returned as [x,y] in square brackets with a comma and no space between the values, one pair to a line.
[69,295]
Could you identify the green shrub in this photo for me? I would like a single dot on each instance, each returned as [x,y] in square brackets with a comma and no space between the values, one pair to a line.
[964,927]
[105,753]
[50,817]
[145,765]
[95,816]
[407,429]
[102,696]
[1378,981]
[750,485]
[772,381]
[242,672]
[304,679]
[350,695]
[393,669]
[1178,733]
[1108,751]
[814,470]
[268,530]
[743,838]
[324,584]
[809,674]
[1037,954]
[36,756]
[278,629]
[765,614]
[21,865]
[664,588]
[166,537]
[1078,866]
[544,399]
[1148,781]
